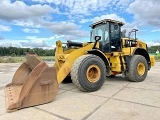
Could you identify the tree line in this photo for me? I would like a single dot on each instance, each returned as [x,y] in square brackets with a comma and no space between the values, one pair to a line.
[14,51]
[153,49]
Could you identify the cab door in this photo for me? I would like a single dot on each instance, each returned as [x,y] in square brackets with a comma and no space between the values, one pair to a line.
[115,37]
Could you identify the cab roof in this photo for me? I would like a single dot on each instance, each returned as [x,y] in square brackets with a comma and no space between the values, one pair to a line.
[105,21]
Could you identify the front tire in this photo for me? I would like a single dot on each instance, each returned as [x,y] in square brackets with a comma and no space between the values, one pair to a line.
[138,69]
[88,73]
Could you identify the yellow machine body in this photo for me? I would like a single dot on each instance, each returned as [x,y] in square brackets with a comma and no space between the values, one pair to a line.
[65,59]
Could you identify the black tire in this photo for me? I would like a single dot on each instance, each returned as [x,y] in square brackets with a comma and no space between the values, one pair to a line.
[81,70]
[137,62]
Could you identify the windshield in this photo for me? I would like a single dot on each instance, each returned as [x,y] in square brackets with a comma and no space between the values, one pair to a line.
[101,30]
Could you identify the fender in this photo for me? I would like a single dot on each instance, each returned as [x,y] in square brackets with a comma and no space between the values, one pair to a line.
[144,53]
[103,57]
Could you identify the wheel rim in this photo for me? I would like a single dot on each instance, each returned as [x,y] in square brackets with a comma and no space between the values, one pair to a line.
[93,73]
[141,69]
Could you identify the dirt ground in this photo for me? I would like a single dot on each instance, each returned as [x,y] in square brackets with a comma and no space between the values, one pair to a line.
[118,99]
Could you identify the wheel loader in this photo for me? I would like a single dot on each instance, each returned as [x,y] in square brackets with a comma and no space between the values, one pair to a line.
[108,53]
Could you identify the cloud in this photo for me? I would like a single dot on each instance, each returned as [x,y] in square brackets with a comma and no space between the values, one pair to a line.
[55,37]
[37,16]
[27,30]
[40,1]
[85,20]
[109,16]
[156,30]
[115,17]
[153,43]
[9,43]
[60,28]
[123,2]
[85,7]
[4,28]
[19,10]
[1,38]
[67,28]
[28,42]
[127,25]
[57,28]
[35,44]
[147,12]
[102,17]
[32,22]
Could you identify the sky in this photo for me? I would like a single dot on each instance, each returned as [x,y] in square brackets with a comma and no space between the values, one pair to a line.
[40,23]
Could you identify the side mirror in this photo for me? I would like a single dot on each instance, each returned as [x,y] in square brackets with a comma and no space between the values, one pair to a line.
[97,38]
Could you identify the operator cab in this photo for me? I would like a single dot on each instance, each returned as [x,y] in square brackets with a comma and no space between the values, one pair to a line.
[110,32]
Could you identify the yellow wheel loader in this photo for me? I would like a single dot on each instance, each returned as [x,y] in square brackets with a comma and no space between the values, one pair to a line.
[87,65]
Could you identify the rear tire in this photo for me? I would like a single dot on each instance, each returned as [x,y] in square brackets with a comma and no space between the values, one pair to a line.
[88,73]
[138,69]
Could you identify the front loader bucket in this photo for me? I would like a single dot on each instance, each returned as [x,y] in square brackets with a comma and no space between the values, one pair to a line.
[34,83]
